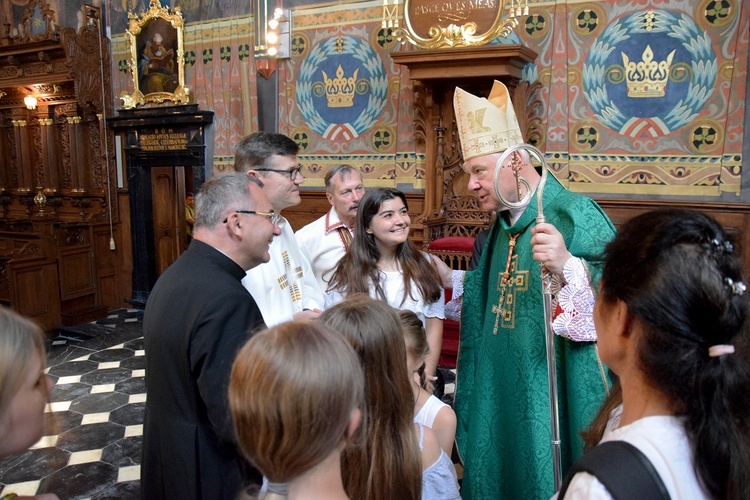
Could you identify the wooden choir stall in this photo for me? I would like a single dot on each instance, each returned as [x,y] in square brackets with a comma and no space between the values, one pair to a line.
[60,261]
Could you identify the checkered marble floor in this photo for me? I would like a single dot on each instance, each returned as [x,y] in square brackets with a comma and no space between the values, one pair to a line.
[94,422]
[94,426]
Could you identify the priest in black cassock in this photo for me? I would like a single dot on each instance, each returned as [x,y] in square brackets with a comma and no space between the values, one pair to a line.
[197,317]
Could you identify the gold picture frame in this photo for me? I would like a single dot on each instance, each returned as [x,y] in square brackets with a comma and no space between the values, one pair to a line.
[432,24]
[157,64]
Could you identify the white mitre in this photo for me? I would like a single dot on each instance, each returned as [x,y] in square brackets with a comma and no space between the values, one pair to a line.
[486,126]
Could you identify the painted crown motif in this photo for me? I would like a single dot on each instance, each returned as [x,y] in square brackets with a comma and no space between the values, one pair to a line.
[647,78]
[340,90]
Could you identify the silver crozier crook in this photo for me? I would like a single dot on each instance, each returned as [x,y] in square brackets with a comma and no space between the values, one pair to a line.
[546,295]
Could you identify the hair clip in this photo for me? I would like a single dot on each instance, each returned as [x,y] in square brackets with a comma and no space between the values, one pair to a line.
[718,350]
[726,244]
[738,288]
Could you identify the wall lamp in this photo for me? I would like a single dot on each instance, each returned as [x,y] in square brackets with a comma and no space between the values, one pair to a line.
[30,101]
[274,37]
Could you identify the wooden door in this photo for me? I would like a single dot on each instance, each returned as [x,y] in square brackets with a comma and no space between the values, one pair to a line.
[168,197]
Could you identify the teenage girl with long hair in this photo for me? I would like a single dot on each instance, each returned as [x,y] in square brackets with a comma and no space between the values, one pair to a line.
[383,263]
[398,458]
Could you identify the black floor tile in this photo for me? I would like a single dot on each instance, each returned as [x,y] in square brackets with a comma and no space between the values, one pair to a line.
[68,392]
[61,353]
[107,376]
[130,414]
[111,355]
[90,437]
[134,363]
[71,368]
[32,465]
[61,421]
[123,452]
[135,385]
[128,490]
[136,344]
[80,480]
[98,403]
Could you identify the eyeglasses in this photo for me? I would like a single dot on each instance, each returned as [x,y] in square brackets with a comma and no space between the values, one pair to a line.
[291,173]
[272,217]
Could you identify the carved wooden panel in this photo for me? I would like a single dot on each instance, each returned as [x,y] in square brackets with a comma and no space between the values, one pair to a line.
[76,273]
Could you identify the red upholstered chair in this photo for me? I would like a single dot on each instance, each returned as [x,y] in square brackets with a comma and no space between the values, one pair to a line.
[456,252]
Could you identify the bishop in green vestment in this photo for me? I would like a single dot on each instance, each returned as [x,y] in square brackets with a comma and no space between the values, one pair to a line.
[502,401]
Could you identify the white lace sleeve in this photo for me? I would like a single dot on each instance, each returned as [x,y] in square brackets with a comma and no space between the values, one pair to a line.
[436,309]
[576,299]
[453,308]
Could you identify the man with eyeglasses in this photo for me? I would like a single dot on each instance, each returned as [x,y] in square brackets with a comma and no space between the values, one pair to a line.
[285,287]
[197,317]
[324,241]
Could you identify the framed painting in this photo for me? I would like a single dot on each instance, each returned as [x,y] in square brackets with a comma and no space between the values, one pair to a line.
[155,40]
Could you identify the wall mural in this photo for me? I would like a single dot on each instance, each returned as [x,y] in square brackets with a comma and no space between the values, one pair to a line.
[640,97]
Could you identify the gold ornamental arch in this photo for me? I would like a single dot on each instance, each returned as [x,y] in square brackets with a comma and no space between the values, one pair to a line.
[431,24]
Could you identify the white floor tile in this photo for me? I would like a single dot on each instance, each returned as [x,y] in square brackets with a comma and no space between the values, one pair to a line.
[59,406]
[45,442]
[133,430]
[73,379]
[139,373]
[95,418]
[96,389]
[137,398]
[84,457]
[109,364]
[27,488]
[131,473]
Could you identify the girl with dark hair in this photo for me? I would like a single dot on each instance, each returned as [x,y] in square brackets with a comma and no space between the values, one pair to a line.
[398,458]
[383,263]
[672,323]
[428,410]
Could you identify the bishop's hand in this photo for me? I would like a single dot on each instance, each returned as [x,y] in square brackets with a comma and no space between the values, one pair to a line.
[549,248]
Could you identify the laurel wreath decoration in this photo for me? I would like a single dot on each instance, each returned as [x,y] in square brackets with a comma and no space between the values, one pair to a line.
[702,68]
[376,80]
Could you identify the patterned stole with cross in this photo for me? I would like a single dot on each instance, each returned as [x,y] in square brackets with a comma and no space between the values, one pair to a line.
[509,282]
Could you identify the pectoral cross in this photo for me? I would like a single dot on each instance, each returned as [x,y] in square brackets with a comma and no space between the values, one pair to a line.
[509,282]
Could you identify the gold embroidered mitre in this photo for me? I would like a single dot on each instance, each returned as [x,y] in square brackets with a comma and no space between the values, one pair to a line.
[486,126]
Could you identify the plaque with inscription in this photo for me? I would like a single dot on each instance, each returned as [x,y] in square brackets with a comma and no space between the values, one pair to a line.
[164,139]
[439,23]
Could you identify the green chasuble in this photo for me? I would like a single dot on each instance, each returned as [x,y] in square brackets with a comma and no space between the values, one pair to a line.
[502,399]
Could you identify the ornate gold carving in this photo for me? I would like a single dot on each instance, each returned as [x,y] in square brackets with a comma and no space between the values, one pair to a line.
[18,123]
[73,119]
[455,27]
[46,22]
[157,66]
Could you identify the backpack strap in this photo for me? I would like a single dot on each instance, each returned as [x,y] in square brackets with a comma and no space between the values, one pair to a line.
[623,469]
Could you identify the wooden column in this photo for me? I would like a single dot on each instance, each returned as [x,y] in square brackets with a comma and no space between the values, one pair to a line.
[49,150]
[24,161]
